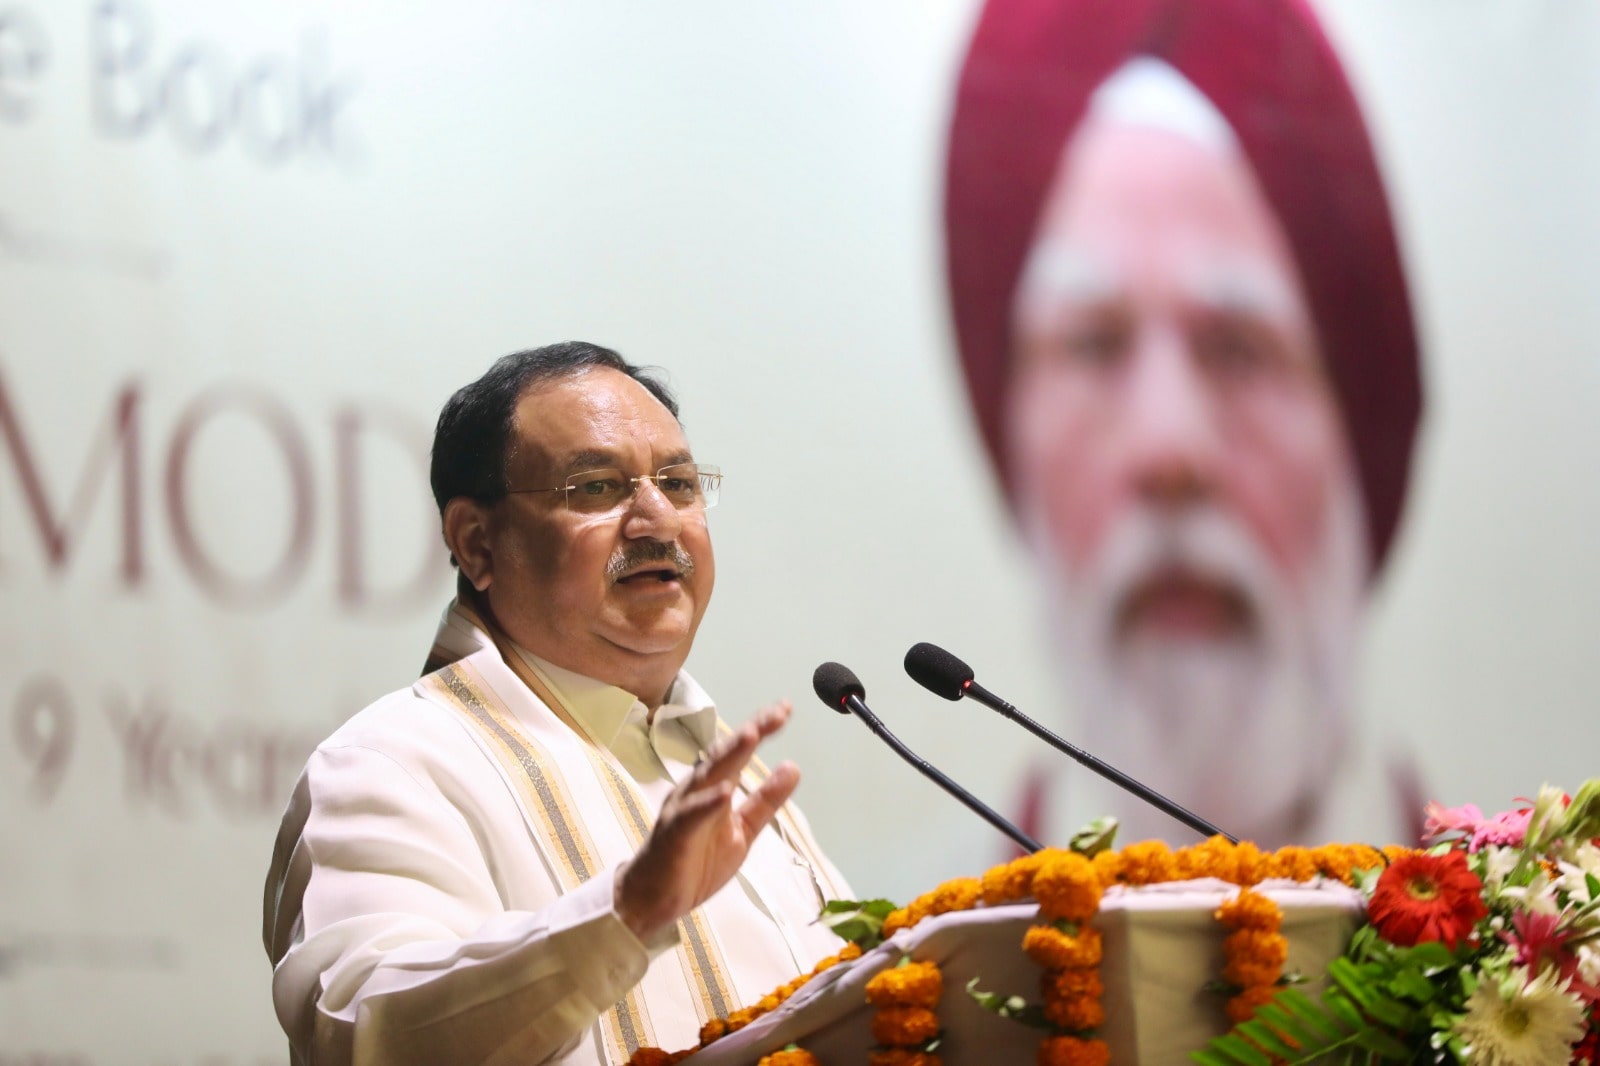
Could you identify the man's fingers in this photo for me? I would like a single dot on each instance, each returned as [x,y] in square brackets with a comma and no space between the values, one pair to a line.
[690,808]
[726,758]
[764,802]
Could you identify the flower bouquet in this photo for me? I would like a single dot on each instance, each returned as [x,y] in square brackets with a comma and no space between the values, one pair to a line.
[1484,948]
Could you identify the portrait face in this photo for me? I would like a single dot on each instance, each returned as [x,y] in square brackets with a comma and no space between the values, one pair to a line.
[1179,462]
[615,596]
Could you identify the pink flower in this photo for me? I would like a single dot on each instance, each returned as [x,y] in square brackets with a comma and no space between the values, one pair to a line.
[1540,941]
[1442,819]
[1507,829]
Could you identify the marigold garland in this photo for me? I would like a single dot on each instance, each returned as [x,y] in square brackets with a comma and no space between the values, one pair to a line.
[904,998]
[717,1028]
[789,1056]
[1255,951]
[1068,887]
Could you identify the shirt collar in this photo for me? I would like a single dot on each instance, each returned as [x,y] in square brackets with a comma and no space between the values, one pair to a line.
[600,708]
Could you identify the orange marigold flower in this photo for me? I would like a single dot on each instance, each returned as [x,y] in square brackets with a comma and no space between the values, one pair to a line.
[1213,858]
[1251,865]
[789,1057]
[713,1030]
[1243,1007]
[1067,888]
[903,1056]
[1054,950]
[1077,1013]
[957,895]
[1250,910]
[904,1026]
[1251,973]
[1267,947]
[1065,984]
[1108,865]
[650,1056]
[916,984]
[1337,861]
[1148,862]
[1427,897]
[898,919]
[1013,881]
[742,1017]
[1071,1051]
[1294,862]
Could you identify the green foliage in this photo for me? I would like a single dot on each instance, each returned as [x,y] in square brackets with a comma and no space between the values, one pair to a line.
[1383,1004]
[1012,1007]
[858,921]
[1095,837]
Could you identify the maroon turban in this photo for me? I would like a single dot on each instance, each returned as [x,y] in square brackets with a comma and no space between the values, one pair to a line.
[1266,66]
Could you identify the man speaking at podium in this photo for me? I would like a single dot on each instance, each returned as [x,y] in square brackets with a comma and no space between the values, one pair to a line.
[549,848]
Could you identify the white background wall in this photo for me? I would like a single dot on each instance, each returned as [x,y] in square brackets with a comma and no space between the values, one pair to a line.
[748,196]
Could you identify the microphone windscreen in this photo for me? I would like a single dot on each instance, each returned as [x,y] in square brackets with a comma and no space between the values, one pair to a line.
[938,671]
[834,683]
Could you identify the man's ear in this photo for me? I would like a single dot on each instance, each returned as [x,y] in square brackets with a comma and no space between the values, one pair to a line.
[466,532]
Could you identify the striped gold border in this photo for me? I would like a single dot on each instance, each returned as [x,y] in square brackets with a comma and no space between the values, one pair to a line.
[625,1027]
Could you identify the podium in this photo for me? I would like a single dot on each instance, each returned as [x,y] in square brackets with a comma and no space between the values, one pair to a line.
[1162,946]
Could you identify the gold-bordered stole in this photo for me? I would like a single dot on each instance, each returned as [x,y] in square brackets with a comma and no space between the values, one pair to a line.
[697,950]
[546,801]
[698,956]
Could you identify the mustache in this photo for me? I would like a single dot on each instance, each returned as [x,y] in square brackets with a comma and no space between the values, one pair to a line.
[634,555]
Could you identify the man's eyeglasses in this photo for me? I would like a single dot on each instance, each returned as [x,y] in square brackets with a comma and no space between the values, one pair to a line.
[688,486]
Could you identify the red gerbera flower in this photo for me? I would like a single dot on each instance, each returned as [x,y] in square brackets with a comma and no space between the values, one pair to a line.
[1422,898]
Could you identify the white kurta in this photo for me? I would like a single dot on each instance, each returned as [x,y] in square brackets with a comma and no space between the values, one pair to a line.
[412,913]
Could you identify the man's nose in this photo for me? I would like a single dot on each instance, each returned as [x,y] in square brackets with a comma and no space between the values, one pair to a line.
[650,515]
[1172,435]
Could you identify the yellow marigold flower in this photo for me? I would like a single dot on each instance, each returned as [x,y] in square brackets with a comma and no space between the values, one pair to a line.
[1071,984]
[1148,862]
[1071,1051]
[1243,1007]
[1250,910]
[789,1057]
[1294,862]
[904,1026]
[1395,852]
[916,984]
[1054,950]
[1068,888]
[1076,1013]
[902,1056]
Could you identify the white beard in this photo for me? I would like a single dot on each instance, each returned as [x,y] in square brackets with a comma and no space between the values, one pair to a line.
[1246,731]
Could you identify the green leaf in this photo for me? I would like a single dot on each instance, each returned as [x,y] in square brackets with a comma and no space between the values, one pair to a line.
[1266,1037]
[1412,985]
[1095,837]
[1011,1007]
[858,921]
[1243,1051]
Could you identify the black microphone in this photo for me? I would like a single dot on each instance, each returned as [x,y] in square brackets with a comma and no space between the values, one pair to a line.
[839,688]
[944,675]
